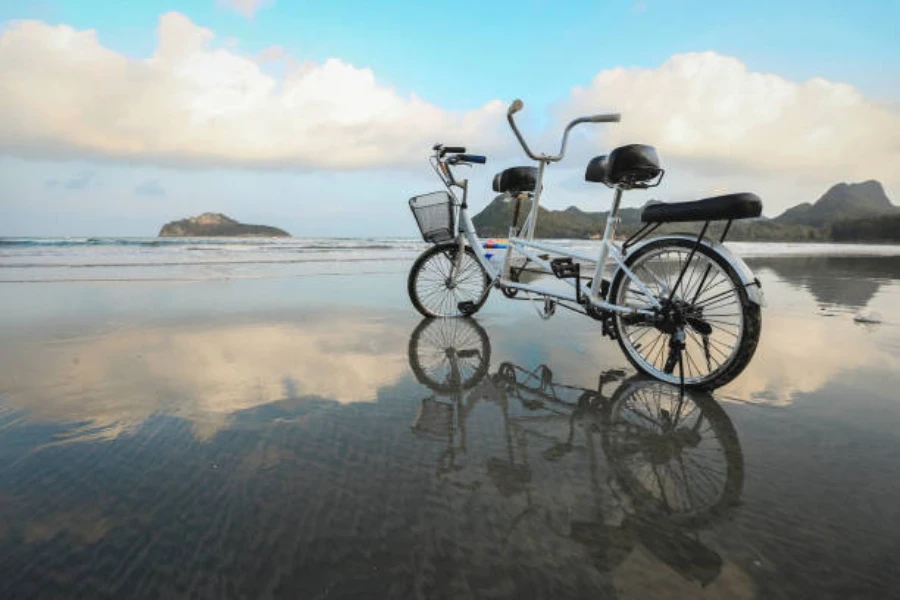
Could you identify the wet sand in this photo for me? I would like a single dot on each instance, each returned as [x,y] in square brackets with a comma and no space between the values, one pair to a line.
[310,438]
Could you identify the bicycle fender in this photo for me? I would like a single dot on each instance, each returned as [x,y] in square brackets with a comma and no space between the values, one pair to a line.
[748,279]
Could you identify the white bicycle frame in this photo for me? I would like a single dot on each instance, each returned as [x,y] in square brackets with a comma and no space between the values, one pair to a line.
[535,251]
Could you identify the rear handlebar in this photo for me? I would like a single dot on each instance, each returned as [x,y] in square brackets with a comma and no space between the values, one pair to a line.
[518,105]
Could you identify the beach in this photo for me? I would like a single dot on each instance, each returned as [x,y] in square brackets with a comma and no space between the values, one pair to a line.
[271,418]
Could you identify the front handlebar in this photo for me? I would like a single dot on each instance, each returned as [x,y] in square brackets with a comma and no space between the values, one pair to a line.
[518,105]
[445,157]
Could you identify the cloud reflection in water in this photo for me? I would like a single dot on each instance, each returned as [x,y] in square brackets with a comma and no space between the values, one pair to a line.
[112,382]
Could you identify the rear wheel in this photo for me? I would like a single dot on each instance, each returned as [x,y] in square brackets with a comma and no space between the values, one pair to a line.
[711,306]
[433,290]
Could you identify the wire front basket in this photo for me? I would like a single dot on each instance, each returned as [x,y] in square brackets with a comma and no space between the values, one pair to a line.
[434,214]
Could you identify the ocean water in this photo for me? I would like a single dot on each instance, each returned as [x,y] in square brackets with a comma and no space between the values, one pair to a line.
[39,260]
[191,259]
[217,418]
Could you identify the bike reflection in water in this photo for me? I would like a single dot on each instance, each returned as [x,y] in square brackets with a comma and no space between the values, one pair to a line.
[674,462]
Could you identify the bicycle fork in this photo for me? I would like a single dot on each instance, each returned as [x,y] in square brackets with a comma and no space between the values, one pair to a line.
[457,263]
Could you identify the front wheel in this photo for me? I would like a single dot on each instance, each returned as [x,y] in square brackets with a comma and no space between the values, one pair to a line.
[449,355]
[436,292]
[710,305]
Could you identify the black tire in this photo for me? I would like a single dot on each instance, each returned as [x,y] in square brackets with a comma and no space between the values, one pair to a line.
[646,419]
[474,286]
[428,357]
[749,312]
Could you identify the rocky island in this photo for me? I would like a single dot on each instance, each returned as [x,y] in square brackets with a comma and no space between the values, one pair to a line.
[217,225]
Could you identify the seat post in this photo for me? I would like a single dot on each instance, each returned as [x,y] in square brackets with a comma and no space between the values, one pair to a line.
[536,200]
[608,234]
[614,211]
[513,228]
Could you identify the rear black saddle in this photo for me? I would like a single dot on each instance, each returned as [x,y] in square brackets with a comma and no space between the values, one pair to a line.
[515,180]
[718,208]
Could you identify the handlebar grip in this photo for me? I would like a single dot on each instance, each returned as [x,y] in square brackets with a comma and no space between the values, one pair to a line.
[515,107]
[609,118]
[453,149]
[472,158]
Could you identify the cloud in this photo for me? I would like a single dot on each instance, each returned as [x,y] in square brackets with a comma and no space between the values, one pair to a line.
[82,180]
[271,54]
[710,111]
[151,187]
[66,96]
[194,103]
[247,8]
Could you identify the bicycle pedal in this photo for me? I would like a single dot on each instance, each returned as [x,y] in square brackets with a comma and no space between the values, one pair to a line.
[466,307]
[565,268]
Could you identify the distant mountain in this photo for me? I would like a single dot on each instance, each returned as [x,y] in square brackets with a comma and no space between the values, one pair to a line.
[843,201]
[217,225]
[495,219]
[846,212]
[885,228]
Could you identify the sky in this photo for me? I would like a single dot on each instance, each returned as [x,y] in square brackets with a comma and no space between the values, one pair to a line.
[318,116]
